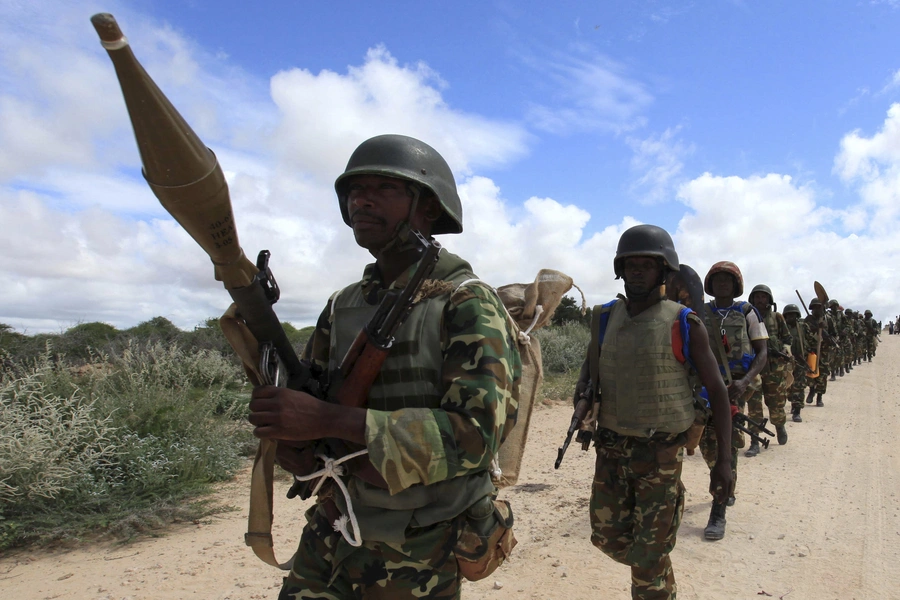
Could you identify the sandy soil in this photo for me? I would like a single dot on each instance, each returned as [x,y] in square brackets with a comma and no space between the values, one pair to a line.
[815,519]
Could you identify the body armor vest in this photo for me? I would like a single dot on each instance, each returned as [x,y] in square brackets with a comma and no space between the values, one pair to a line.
[409,378]
[798,344]
[734,323]
[644,388]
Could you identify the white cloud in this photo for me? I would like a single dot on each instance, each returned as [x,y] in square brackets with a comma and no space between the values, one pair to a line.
[84,240]
[658,162]
[872,166]
[589,92]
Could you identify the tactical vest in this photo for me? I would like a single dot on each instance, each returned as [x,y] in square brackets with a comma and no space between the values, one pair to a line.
[643,387]
[734,323]
[409,378]
[798,344]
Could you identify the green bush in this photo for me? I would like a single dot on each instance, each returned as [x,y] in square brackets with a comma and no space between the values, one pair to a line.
[118,443]
[563,347]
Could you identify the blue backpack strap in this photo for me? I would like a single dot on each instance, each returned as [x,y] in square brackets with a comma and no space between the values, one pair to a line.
[599,322]
[605,309]
[685,327]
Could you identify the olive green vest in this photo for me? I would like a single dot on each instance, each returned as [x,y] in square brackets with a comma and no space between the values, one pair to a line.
[735,326]
[643,387]
[409,378]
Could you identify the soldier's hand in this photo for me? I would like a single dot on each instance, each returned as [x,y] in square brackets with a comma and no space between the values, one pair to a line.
[283,414]
[736,389]
[297,458]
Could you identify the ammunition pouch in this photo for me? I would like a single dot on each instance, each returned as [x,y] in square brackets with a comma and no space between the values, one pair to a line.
[484,538]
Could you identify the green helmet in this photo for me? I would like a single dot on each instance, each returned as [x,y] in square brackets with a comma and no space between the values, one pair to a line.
[645,240]
[848,311]
[766,290]
[791,308]
[834,302]
[868,313]
[814,302]
[406,158]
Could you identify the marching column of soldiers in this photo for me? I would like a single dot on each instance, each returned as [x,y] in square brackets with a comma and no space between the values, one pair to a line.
[659,348]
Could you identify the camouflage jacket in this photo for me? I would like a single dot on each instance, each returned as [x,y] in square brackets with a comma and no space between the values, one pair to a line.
[480,372]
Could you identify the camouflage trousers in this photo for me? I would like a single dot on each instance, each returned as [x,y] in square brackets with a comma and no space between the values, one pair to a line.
[797,392]
[327,567]
[637,501]
[709,446]
[774,389]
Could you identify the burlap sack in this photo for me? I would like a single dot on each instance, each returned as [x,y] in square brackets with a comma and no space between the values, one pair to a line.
[531,306]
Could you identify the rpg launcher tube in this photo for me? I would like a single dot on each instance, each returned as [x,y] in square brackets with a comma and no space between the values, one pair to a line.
[182,172]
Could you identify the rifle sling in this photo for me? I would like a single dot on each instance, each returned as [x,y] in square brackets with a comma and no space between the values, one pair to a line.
[720,345]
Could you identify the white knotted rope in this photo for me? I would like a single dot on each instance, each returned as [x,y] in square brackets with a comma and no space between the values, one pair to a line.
[524,338]
[333,469]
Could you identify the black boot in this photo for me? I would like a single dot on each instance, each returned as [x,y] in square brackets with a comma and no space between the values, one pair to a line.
[715,529]
[795,416]
[833,377]
[753,450]
[809,397]
[782,434]
[819,400]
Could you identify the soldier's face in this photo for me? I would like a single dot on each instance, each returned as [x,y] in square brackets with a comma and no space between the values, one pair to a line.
[376,205]
[722,285]
[760,300]
[817,311]
[791,318]
[641,273]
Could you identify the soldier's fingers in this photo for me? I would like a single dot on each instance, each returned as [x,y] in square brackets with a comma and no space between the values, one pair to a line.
[264,391]
[263,404]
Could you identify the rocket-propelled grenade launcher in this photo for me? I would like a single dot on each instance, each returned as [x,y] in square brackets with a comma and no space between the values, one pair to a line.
[186,178]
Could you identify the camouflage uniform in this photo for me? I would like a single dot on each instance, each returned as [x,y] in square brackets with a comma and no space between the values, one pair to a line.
[448,441]
[637,501]
[819,385]
[774,374]
[804,342]
[738,367]
[871,331]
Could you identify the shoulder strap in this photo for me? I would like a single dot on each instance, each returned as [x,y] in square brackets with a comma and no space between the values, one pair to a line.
[599,321]
[716,321]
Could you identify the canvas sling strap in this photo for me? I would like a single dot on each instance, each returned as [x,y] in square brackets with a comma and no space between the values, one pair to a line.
[259,520]
[720,344]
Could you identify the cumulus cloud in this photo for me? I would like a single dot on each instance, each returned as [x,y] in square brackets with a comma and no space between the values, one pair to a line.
[872,166]
[85,240]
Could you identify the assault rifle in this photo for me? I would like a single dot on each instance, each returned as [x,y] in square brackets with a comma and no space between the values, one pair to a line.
[790,357]
[740,421]
[585,434]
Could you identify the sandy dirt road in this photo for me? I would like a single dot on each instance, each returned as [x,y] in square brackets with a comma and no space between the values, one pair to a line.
[814,519]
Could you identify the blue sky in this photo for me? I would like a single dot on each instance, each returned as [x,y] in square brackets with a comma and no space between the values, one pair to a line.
[760,132]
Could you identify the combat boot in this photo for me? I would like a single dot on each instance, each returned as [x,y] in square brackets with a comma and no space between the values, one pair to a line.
[715,529]
[782,434]
[809,397]
[841,373]
[819,400]
[833,378]
[795,416]
[753,450]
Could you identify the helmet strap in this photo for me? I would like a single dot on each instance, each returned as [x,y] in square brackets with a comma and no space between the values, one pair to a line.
[403,239]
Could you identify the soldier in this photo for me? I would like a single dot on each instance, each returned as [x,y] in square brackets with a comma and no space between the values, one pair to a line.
[738,337]
[820,323]
[774,375]
[839,358]
[641,355]
[871,330]
[803,342]
[442,404]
